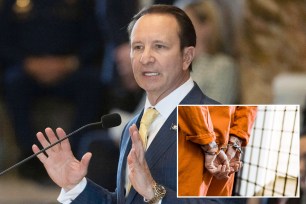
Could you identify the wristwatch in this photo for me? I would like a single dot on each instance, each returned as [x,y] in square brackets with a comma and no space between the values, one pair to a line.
[159,193]
[211,148]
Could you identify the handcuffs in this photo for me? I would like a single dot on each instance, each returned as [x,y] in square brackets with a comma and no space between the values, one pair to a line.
[233,142]
[209,148]
[236,144]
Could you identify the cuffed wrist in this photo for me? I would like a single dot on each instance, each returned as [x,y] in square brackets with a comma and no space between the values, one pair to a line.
[235,139]
[211,148]
[235,142]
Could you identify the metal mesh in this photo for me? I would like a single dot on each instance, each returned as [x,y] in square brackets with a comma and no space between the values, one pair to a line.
[271,159]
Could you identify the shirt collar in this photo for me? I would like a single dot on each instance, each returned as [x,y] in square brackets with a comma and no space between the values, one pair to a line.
[169,103]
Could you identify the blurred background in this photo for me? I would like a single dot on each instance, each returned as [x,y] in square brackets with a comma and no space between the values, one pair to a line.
[64,63]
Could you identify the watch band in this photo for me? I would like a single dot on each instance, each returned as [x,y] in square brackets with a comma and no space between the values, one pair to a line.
[159,193]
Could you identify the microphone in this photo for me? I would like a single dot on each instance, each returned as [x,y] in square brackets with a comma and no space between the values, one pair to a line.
[107,121]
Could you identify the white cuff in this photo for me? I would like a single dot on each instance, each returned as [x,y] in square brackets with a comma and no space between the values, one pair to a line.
[159,202]
[67,197]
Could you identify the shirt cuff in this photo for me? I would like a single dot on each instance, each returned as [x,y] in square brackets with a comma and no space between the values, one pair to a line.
[66,197]
[159,202]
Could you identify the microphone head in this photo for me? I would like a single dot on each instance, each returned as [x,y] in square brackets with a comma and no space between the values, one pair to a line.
[111,120]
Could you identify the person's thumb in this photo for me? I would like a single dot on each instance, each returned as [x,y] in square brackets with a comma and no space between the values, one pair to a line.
[85,162]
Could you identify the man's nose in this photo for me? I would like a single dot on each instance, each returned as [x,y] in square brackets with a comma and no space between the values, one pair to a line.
[147,57]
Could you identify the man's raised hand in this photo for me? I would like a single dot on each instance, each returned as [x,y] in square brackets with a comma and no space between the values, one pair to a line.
[63,168]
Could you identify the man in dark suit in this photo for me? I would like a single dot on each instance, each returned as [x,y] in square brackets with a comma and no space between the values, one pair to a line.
[162,49]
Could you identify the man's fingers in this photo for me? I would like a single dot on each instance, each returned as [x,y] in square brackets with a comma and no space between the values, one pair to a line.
[137,143]
[65,143]
[133,164]
[51,135]
[211,168]
[43,141]
[209,163]
[223,168]
[136,139]
[135,135]
[131,157]
[223,158]
[52,138]
[42,157]
[222,175]
[220,172]
[235,166]
[133,128]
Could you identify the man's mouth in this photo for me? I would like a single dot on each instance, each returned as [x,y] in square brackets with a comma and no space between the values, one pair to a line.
[151,74]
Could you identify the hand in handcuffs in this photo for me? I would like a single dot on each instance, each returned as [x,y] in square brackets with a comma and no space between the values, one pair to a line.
[216,162]
[220,164]
[233,153]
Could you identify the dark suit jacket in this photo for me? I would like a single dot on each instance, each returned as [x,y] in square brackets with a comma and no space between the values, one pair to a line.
[161,157]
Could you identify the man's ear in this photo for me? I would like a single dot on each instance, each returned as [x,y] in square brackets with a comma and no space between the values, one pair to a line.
[189,53]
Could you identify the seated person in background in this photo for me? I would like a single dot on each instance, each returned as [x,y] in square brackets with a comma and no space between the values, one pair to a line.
[51,49]
[215,71]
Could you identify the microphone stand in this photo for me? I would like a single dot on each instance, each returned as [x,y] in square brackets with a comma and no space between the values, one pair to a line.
[51,145]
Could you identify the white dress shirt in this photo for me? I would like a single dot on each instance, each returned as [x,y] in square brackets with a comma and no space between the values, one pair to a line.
[164,107]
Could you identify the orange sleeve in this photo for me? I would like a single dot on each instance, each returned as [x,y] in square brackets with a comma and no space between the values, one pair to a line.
[242,123]
[195,124]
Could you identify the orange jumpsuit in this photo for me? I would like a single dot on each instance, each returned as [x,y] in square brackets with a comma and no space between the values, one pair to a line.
[200,125]
[194,128]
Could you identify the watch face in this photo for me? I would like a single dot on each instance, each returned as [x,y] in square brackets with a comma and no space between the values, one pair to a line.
[160,189]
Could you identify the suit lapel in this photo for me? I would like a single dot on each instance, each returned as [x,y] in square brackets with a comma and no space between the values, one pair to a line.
[121,171]
[163,140]
[195,96]
[124,151]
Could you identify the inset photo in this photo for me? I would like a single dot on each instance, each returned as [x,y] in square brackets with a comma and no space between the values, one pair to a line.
[238,151]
